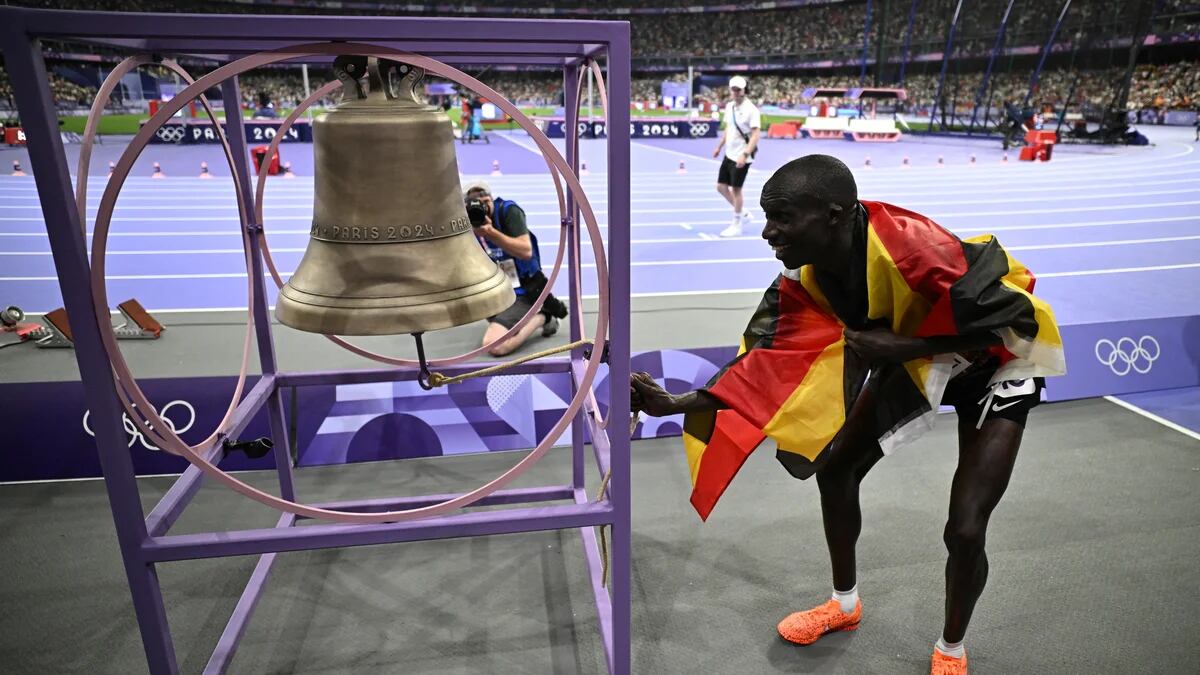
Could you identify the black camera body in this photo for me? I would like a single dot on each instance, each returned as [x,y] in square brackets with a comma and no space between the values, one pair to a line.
[477,212]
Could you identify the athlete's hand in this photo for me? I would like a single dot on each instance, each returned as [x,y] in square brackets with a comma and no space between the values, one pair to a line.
[741,160]
[717,152]
[880,345]
[646,396]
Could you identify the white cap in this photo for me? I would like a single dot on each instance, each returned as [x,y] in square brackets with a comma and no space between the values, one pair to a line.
[737,81]
[477,185]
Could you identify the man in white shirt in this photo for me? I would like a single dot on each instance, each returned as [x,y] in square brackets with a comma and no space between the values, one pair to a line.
[740,141]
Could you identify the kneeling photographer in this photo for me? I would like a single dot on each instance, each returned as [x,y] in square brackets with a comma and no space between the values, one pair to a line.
[501,229]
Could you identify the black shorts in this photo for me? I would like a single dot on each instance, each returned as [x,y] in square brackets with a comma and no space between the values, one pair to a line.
[730,174]
[1010,400]
[509,317]
[552,307]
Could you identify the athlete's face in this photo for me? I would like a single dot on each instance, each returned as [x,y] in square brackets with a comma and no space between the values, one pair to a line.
[801,231]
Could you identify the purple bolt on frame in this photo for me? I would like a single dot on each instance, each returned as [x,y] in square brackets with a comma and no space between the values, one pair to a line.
[144,539]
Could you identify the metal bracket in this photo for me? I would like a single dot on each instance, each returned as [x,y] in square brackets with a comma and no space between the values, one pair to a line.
[587,354]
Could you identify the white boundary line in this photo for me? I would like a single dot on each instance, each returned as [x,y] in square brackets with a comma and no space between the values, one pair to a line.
[932,214]
[1151,416]
[703,238]
[648,263]
[164,196]
[915,201]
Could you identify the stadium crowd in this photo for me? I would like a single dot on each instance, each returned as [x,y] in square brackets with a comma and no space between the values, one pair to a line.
[834,26]
[1169,86]
[829,30]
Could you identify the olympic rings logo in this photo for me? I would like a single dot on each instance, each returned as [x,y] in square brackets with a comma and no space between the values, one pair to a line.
[699,129]
[1127,355]
[135,434]
[172,133]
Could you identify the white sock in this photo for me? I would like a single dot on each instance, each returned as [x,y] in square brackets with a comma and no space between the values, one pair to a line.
[847,599]
[954,649]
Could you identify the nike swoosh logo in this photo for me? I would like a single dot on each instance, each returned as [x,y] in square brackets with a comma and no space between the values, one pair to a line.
[996,407]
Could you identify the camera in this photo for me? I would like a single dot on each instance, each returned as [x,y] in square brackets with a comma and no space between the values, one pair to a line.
[477,212]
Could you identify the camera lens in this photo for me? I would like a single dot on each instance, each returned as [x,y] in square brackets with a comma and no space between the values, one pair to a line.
[477,212]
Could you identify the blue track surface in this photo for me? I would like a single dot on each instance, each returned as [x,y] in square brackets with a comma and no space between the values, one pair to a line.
[1110,233]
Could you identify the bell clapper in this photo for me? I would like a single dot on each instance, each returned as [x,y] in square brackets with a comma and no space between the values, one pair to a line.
[424,378]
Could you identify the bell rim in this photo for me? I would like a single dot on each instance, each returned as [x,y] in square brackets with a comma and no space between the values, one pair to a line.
[389,319]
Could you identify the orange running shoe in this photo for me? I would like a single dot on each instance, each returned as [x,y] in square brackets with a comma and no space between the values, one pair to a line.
[803,628]
[948,665]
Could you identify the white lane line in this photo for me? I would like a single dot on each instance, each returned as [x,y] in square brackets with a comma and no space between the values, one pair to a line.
[919,174]
[645,263]
[545,214]
[916,203]
[957,230]
[705,190]
[1151,416]
[530,146]
[639,242]
[1117,270]
[678,153]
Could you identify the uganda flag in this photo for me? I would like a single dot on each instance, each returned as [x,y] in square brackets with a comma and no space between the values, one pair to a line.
[793,379]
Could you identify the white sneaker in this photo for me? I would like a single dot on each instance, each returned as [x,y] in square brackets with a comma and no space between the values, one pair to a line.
[735,228]
[745,218]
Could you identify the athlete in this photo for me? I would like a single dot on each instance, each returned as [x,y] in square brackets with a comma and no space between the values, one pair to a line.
[879,317]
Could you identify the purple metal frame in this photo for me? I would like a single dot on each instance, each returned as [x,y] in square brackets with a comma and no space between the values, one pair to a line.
[143,538]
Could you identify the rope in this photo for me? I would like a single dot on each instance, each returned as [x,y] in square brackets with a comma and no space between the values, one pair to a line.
[633,422]
[438,380]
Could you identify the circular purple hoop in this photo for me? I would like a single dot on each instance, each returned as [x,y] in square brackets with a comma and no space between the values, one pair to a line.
[83,170]
[146,416]
[269,261]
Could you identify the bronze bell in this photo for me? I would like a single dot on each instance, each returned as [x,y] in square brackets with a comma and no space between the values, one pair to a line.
[391,248]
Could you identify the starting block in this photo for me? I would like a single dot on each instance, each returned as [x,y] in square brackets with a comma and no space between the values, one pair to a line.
[56,331]
[144,326]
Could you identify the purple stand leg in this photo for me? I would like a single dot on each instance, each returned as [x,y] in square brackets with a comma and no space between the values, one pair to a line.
[227,645]
[236,131]
[27,70]
[570,238]
[619,348]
